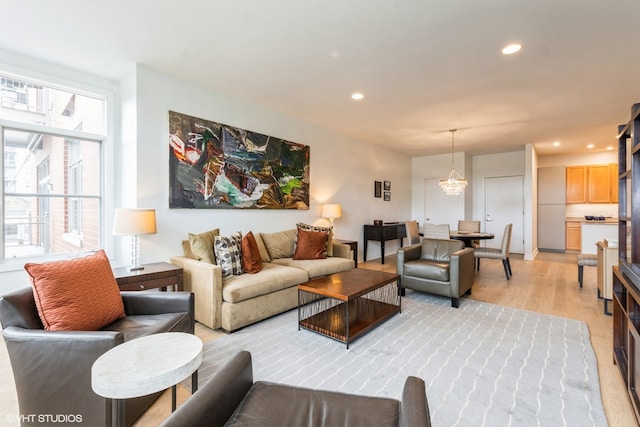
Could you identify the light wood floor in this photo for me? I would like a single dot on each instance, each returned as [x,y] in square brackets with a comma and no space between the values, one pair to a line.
[547,285]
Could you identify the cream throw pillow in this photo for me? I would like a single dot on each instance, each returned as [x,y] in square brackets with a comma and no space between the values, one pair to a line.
[202,245]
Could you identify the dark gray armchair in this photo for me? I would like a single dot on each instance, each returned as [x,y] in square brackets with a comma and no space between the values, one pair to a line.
[232,398]
[52,370]
[439,267]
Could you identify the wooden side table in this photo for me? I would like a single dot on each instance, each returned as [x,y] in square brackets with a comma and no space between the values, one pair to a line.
[353,244]
[156,275]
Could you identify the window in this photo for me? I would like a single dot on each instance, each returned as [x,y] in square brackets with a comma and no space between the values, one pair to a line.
[52,164]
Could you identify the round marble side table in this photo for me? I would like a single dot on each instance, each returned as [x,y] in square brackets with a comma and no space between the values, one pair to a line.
[143,366]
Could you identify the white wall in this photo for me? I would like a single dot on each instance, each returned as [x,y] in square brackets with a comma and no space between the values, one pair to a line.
[342,170]
[428,167]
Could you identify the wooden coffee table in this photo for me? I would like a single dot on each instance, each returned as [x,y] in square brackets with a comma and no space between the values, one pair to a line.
[347,305]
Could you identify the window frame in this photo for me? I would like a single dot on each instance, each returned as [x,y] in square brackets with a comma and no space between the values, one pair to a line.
[65,134]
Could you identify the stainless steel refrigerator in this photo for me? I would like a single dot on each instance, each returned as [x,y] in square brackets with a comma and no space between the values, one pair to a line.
[551,208]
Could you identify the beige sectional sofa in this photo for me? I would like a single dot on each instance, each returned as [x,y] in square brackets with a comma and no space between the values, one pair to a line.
[234,302]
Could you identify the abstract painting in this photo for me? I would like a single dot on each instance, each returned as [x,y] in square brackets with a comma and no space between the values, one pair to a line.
[216,166]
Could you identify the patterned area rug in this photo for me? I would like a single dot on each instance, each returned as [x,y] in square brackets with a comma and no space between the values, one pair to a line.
[483,364]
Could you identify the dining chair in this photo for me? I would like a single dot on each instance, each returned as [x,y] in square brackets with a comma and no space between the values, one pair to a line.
[472,226]
[493,253]
[413,233]
[436,231]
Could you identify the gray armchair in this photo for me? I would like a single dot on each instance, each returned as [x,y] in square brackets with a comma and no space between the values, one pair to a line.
[52,370]
[232,398]
[439,267]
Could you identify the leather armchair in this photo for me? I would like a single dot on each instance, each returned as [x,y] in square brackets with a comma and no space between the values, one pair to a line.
[52,369]
[231,398]
[439,267]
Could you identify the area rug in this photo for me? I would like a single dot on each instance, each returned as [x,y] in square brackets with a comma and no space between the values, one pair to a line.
[483,364]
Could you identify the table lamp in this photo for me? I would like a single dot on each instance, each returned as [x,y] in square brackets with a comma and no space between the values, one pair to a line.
[331,211]
[134,222]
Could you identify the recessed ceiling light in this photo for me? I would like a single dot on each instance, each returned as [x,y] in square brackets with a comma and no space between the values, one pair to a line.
[556,144]
[357,96]
[609,148]
[590,146]
[512,48]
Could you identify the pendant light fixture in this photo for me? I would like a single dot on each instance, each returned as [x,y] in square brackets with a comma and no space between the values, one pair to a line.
[454,184]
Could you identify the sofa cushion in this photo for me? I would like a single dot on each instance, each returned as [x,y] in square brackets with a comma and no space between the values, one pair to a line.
[228,250]
[272,278]
[202,245]
[80,294]
[251,259]
[311,244]
[318,267]
[271,404]
[427,269]
[279,244]
[147,324]
[329,231]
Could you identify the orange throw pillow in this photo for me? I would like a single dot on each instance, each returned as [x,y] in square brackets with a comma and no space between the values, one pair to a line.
[76,295]
[311,244]
[251,259]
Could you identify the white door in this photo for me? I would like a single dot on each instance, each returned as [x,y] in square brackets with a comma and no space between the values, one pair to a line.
[504,204]
[440,208]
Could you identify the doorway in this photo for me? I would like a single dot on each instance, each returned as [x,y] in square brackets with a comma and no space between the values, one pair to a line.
[504,204]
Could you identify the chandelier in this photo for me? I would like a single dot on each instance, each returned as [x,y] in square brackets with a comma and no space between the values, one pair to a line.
[454,184]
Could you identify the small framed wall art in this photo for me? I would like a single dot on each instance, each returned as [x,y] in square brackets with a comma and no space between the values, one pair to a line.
[387,186]
[377,189]
[387,196]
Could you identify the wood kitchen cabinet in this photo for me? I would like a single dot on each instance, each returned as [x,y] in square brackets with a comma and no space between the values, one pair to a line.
[576,185]
[592,184]
[573,234]
[613,183]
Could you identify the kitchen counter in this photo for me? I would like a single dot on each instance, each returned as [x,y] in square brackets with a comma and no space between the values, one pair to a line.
[582,220]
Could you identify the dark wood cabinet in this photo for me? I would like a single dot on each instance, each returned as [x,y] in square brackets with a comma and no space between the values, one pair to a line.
[383,233]
[626,277]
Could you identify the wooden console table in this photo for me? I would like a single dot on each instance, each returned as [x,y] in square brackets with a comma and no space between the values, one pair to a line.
[156,275]
[382,233]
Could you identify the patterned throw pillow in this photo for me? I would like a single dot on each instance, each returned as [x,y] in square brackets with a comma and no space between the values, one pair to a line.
[228,250]
[329,230]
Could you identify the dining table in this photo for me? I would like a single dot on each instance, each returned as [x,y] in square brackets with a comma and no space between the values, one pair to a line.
[469,236]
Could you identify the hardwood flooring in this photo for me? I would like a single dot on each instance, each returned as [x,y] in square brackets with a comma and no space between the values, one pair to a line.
[547,285]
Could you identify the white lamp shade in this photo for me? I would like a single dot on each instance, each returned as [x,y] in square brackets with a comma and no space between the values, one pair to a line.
[331,211]
[134,222]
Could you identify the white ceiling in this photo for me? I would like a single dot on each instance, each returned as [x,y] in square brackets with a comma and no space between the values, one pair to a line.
[424,66]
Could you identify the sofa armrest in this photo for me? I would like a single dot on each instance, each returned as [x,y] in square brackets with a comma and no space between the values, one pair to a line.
[461,271]
[341,250]
[414,411]
[214,403]
[136,303]
[205,281]
[408,253]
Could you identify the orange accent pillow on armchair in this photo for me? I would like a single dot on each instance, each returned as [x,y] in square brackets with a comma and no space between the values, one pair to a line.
[76,295]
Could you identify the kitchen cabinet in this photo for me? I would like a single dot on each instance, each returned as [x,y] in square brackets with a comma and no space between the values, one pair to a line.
[573,234]
[613,183]
[577,184]
[592,184]
[598,179]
